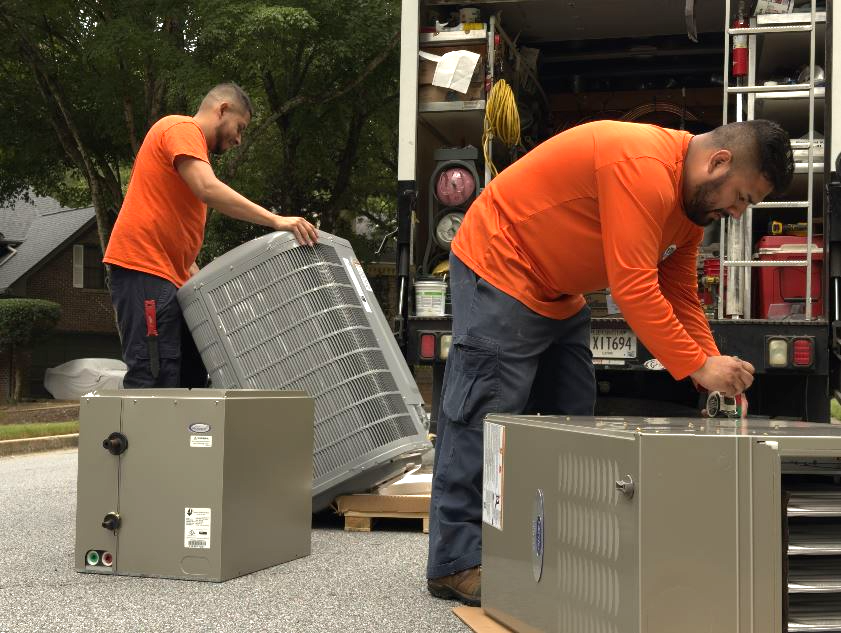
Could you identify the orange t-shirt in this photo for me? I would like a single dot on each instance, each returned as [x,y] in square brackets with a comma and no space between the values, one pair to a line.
[597,206]
[160,227]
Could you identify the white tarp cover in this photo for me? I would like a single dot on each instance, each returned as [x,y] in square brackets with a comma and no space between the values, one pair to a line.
[75,378]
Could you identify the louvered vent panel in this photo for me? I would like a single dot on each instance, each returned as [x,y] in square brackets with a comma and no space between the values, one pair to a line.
[292,318]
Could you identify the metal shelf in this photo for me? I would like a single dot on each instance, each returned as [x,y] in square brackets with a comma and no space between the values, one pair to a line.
[766,93]
[817,166]
[769,30]
[455,123]
[791,110]
[450,38]
[801,17]
[787,53]
[452,106]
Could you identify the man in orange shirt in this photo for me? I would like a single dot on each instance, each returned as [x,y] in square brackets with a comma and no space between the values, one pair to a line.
[606,204]
[159,231]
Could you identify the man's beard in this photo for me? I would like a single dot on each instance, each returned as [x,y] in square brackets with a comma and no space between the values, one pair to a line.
[699,209]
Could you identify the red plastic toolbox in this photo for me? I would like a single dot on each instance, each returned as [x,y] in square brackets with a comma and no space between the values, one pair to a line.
[784,287]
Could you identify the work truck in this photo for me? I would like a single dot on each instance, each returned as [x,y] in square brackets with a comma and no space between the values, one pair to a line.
[483,83]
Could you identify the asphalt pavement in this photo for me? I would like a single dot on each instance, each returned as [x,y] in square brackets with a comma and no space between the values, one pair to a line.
[352,582]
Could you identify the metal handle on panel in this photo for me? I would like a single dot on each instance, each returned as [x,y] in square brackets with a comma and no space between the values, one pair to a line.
[626,486]
[112,521]
[116,443]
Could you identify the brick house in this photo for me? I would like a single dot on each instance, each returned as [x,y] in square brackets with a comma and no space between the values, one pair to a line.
[51,252]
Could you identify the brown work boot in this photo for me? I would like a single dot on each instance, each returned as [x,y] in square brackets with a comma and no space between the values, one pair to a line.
[463,585]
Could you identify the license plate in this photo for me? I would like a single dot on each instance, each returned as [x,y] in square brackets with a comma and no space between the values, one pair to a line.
[613,344]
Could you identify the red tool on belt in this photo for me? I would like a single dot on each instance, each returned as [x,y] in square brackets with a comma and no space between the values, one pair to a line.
[152,337]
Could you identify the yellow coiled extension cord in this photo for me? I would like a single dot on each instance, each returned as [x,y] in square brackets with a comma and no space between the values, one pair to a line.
[502,120]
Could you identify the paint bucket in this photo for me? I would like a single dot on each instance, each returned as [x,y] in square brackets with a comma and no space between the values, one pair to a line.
[430,296]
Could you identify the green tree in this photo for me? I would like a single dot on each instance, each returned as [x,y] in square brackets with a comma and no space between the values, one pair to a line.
[324,78]
[23,324]
[80,83]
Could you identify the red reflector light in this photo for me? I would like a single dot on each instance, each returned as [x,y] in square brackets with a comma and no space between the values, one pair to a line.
[802,353]
[427,346]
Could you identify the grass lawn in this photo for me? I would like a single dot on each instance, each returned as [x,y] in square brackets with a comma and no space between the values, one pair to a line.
[835,409]
[19,431]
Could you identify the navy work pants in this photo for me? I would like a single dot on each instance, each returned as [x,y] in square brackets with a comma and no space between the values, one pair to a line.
[180,364]
[504,358]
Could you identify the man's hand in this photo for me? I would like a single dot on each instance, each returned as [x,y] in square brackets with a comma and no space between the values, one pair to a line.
[726,374]
[194,269]
[304,232]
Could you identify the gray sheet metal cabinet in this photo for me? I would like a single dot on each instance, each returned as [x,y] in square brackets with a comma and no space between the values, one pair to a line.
[199,484]
[644,525]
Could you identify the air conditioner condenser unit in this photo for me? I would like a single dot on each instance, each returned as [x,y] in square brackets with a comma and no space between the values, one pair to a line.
[271,314]
[654,525]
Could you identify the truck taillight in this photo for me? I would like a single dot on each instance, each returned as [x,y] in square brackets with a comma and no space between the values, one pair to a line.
[777,352]
[444,349]
[802,355]
[455,186]
[427,346]
[796,352]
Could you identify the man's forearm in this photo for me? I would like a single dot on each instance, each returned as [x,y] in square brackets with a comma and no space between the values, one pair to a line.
[224,199]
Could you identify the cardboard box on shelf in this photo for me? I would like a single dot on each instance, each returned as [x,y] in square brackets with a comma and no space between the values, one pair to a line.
[430,94]
[602,304]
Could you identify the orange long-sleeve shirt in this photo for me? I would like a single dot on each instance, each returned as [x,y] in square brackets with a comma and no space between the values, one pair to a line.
[597,206]
[160,227]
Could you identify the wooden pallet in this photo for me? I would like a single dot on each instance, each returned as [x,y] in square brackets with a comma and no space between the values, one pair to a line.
[360,511]
[362,521]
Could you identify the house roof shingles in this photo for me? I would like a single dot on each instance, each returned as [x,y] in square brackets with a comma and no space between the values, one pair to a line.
[42,225]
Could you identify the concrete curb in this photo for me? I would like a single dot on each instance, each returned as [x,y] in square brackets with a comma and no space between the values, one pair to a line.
[38,444]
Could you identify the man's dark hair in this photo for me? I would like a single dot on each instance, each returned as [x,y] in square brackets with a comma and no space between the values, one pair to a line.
[231,92]
[765,144]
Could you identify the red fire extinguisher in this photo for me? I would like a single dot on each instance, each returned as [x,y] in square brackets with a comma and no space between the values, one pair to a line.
[740,48]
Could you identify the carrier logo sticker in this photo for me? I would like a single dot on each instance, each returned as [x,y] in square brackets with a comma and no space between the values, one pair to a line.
[199,427]
[672,248]
[653,364]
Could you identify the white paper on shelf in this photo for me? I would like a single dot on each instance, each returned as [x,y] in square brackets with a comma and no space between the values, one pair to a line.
[454,70]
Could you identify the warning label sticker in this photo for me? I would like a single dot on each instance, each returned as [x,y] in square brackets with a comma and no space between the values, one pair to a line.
[362,275]
[197,528]
[356,285]
[201,441]
[493,477]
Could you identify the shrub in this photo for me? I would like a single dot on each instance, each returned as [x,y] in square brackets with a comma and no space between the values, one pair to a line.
[23,324]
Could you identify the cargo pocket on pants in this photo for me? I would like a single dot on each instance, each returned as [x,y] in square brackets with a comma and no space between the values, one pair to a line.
[472,387]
